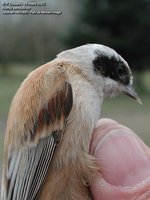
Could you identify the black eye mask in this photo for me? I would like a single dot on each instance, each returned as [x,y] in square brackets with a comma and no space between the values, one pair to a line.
[113,68]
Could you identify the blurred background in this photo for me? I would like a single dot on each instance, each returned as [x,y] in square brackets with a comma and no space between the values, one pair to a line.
[27,41]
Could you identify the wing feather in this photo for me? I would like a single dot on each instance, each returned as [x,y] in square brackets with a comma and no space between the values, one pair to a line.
[33,134]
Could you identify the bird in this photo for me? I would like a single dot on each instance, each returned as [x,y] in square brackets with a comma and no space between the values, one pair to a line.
[51,120]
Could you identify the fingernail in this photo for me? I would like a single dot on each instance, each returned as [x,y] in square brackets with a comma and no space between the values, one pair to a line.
[122,159]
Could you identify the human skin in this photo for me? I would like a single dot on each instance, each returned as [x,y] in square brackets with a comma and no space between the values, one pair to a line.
[124,161]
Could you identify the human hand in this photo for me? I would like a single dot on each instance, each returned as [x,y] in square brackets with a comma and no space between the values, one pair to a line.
[124,161]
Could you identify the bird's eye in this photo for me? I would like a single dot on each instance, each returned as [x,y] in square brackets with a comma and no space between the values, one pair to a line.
[120,70]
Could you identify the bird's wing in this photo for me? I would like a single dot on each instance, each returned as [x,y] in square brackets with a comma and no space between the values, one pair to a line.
[35,125]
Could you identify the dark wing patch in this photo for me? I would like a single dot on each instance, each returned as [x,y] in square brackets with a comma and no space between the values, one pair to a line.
[52,111]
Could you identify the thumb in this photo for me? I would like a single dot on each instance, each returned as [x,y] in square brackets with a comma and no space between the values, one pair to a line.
[123,160]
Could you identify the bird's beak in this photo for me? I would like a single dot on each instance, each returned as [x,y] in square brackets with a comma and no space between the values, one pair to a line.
[128,90]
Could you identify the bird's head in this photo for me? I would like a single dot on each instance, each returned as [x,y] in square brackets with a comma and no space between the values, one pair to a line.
[105,67]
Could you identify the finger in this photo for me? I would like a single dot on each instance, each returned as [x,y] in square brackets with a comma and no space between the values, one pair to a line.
[124,163]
